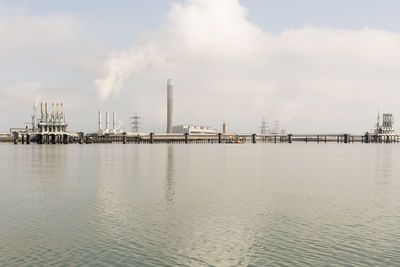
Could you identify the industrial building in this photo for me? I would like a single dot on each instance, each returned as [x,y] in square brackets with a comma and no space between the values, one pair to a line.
[107,130]
[53,122]
[193,129]
[386,126]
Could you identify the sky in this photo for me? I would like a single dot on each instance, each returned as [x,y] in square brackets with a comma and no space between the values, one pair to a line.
[316,66]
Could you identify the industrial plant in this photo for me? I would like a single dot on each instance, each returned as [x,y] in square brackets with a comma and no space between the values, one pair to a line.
[52,128]
[103,131]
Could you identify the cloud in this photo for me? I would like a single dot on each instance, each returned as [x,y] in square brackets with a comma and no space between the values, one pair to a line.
[306,76]
[50,57]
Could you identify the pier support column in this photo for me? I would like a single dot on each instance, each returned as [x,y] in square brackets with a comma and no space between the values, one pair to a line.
[124,139]
[290,138]
[28,139]
[253,138]
[16,136]
[22,139]
[151,138]
[186,138]
[346,138]
[325,139]
[366,138]
[219,138]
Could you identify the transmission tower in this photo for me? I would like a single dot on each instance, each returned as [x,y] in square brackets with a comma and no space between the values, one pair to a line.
[276,128]
[264,126]
[135,123]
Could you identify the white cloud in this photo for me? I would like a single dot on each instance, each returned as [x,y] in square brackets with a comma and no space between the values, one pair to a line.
[49,57]
[228,68]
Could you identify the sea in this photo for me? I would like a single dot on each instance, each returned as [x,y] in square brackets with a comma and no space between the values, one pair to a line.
[200,205]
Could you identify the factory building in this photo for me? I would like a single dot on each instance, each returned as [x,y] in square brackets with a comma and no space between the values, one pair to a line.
[107,130]
[193,129]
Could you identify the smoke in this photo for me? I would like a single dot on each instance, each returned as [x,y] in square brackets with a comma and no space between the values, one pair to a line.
[211,49]
[120,66]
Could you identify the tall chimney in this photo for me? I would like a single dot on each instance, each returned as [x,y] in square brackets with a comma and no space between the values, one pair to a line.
[224,128]
[52,111]
[170,105]
[107,122]
[41,112]
[114,121]
[100,121]
[46,111]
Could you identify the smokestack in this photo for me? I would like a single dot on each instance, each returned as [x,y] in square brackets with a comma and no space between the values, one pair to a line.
[100,121]
[57,112]
[170,105]
[224,128]
[46,111]
[114,121]
[52,111]
[62,113]
[107,122]
[41,112]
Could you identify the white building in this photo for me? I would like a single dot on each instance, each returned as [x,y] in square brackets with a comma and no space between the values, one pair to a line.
[193,129]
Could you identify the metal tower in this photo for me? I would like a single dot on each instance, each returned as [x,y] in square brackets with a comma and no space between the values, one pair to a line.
[264,126]
[135,123]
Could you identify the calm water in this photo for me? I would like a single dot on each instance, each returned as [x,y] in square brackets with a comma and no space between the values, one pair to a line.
[212,205]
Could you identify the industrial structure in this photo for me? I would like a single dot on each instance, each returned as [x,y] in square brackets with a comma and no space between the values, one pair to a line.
[107,130]
[135,122]
[264,126]
[53,122]
[386,127]
[193,129]
[51,128]
[170,105]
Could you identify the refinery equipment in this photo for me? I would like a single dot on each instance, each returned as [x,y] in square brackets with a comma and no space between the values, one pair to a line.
[386,126]
[115,129]
[53,122]
[193,129]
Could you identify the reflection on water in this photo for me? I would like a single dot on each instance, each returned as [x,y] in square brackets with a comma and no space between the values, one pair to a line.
[211,205]
[169,176]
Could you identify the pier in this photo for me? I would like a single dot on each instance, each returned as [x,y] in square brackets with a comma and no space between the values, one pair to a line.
[128,138]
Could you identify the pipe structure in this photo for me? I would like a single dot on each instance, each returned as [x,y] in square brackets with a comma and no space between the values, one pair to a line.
[170,105]
[41,112]
[46,111]
[107,121]
[62,113]
[100,121]
[114,121]
[34,117]
[52,111]
[57,112]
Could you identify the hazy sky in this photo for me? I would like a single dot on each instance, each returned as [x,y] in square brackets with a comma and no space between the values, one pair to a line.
[314,65]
